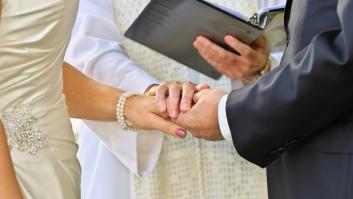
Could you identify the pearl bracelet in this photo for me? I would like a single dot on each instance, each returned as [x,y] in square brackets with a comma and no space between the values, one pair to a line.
[120,107]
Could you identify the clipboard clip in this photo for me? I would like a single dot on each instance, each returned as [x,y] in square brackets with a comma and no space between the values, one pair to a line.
[259,20]
[265,16]
[255,19]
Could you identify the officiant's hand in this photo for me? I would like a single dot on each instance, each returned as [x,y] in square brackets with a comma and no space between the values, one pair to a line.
[250,61]
[173,97]
[202,119]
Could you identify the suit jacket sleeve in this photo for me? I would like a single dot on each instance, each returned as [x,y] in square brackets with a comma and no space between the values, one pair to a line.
[297,99]
[96,51]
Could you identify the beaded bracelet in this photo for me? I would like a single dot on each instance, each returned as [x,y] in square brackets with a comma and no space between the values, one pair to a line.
[124,123]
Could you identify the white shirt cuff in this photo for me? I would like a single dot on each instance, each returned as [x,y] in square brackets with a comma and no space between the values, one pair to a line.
[223,120]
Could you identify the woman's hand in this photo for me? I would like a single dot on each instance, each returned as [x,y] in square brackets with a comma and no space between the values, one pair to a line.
[250,61]
[143,113]
[173,97]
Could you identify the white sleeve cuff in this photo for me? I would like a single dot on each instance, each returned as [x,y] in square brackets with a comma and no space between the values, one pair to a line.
[223,120]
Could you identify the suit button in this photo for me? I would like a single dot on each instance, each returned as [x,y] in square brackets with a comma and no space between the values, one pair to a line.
[294,143]
[277,152]
[280,150]
[287,145]
[290,144]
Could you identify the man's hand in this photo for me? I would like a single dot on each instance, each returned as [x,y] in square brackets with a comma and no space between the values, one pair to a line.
[250,61]
[202,119]
[175,96]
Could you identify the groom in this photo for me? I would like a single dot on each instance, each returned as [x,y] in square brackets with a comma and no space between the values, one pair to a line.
[297,120]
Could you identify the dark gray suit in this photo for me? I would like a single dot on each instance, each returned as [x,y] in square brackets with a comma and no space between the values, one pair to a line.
[298,120]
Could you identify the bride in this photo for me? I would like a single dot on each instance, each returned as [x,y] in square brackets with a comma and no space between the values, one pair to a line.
[37,146]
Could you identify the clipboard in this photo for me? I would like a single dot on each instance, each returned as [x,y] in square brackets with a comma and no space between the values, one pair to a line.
[171,26]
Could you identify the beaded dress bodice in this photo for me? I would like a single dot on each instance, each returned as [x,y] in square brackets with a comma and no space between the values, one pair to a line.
[33,39]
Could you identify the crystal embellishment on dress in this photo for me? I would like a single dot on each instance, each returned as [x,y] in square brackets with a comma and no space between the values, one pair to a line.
[18,123]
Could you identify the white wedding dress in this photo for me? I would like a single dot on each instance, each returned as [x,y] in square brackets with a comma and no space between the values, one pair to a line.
[33,39]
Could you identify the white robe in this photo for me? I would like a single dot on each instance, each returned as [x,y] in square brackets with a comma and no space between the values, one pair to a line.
[109,154]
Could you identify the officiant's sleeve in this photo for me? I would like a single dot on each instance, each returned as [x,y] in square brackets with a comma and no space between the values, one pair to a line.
[298,99]
[95,50]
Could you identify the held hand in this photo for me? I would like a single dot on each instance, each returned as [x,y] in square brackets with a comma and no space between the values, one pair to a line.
[175,96]
[250,61]
[202,119]
[143,113]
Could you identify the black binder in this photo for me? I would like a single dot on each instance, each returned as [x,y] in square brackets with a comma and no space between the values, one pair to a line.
[171,26]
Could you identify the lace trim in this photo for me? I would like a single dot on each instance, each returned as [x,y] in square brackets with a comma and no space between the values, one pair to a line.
[18,123]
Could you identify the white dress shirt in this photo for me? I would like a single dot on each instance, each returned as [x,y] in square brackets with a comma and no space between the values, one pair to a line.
[95,50]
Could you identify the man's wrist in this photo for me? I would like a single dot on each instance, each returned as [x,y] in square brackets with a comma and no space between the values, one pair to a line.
[266,68]
[258,74]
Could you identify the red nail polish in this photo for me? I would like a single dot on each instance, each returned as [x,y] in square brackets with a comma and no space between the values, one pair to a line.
[180,133]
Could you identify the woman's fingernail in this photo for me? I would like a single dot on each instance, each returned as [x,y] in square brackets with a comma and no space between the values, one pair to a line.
[180,133]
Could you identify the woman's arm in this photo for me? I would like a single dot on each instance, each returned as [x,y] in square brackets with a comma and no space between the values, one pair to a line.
[9,187]
[89,99]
